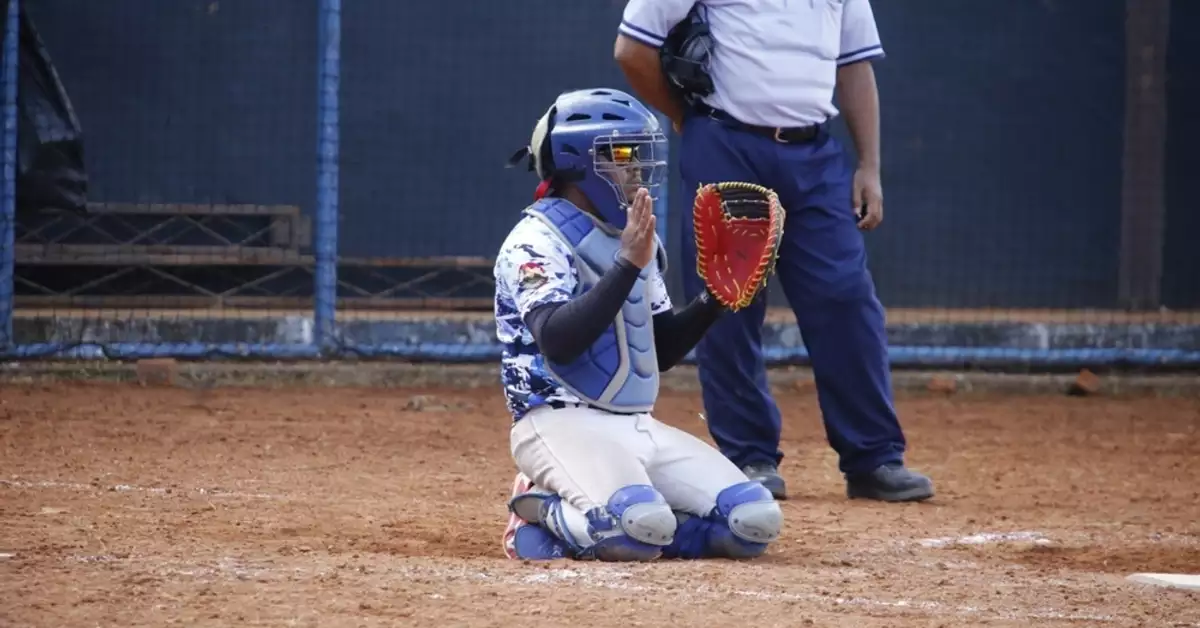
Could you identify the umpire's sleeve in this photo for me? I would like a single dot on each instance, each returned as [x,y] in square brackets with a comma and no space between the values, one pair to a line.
[860,35]
[649,21]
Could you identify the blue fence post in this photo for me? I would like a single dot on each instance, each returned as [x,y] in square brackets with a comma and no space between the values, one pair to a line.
[8,197]
[329,62]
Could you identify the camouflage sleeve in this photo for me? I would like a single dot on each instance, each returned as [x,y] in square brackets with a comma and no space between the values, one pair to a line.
[537,269]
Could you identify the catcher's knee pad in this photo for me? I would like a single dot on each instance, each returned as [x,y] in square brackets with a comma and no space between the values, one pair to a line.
[635,525]
[751,517]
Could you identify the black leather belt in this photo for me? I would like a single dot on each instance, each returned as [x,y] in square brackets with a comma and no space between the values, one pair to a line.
[791,135]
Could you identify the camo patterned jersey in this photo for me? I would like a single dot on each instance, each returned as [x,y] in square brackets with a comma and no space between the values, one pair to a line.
[533,268]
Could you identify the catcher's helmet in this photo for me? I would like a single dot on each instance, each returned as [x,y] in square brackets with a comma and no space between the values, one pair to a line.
[603,141]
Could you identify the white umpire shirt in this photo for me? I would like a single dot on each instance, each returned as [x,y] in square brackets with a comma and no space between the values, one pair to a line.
[774,62]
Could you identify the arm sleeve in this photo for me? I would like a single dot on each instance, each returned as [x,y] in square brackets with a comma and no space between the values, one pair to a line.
[563,331]
[860,35]
[677,332]
[649,21]
[537,269]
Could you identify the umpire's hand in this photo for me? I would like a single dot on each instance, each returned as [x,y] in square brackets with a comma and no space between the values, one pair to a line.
[868,192]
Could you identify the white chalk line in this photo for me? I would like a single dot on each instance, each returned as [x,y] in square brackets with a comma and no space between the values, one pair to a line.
[129,488]
[591,577]
[612,578]
[987,538]
[1040,539]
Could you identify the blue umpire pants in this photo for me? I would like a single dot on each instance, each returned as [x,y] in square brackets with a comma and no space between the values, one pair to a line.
[822,269]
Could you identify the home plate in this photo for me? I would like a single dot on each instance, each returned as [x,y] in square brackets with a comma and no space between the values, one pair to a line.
[1174,580]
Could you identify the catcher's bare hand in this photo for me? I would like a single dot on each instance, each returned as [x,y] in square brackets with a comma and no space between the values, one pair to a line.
[637,239]
[868,191]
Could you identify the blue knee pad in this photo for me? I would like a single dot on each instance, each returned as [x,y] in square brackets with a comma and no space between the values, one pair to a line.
[635,526]
[745,520]
[752,519]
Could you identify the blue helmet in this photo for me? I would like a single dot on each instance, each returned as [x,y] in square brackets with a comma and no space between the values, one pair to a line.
[604,142]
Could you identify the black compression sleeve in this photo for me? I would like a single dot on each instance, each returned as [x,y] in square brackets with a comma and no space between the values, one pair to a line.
[675,333]
[563,331]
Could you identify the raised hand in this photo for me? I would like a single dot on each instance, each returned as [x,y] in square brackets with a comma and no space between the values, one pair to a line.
[637,239]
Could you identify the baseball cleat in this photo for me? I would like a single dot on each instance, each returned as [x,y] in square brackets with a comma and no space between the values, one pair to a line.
[532,542]
[524,539]
[768,476]
[891,482]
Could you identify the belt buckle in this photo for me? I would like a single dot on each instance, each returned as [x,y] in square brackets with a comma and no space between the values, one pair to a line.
[779,135]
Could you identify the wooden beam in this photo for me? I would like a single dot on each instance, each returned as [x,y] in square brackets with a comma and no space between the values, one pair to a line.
[208,303]
[192,209]
[153,255]
[167,255]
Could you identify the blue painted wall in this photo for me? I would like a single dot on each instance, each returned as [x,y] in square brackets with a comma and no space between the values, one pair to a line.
[1002,126]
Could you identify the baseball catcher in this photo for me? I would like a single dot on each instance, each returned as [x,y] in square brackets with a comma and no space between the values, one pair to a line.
[587,326]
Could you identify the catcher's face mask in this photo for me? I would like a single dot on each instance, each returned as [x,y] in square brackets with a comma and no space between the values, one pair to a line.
[629,162]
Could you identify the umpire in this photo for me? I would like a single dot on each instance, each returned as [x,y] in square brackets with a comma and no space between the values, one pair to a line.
[749,87]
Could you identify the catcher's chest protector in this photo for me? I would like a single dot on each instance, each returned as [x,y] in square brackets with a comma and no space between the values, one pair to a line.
[619,372]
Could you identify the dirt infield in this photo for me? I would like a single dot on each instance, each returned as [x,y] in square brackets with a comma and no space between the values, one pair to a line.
[123,505]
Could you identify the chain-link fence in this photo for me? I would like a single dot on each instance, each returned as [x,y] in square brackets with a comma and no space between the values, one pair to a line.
[282,178]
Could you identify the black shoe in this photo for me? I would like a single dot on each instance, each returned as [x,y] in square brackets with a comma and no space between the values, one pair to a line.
[768,476]
[890,483]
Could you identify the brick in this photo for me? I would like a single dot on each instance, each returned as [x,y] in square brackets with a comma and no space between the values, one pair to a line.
[1086,383]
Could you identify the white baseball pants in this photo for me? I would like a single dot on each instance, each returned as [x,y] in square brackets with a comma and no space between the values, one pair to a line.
[585,455]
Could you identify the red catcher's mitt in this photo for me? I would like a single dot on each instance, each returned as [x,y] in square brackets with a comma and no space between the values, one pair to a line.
[739,227]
